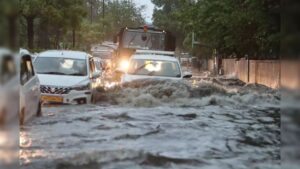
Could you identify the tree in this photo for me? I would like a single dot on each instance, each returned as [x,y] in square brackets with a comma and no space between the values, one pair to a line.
[11,12]
[240,27]
[118,14]
[166,16]
[75,15]
[31,9]
[45,24]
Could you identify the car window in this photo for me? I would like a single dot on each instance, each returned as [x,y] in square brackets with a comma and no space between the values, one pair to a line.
[27,71]
[92,66]
[8,69]
[30,66]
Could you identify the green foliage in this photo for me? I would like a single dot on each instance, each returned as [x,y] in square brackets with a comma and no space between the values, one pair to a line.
[169,15]
[46,24]
[233,27]
[117,14]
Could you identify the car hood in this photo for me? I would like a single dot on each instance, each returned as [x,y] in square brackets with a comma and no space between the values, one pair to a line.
[61,80]
[129,78]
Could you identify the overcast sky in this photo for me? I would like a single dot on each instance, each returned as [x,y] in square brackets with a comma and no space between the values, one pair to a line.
[149,8]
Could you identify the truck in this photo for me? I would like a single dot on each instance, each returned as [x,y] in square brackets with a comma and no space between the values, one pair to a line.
[131,39]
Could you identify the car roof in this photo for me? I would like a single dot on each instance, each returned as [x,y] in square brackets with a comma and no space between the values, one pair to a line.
[65,54]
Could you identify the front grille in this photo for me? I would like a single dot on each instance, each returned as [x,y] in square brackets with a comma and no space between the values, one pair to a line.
[55,90]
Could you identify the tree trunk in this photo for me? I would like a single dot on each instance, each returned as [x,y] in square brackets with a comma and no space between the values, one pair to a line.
[43,35]
[74,37]
[57,43]
[12,32]
[30,31]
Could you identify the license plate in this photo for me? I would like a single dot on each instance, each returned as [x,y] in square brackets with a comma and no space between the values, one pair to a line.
[56,99]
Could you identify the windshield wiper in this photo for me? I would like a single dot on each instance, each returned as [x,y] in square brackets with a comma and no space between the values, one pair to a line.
[141,67]
[76,74]
[151,73]
[131,40]
[52,73]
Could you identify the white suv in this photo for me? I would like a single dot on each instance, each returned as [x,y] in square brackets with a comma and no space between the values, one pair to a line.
[152,66]
[67,77]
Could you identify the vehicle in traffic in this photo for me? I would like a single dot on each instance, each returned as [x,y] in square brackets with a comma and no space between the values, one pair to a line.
[130,39]
[67,77]
[9,88]
[30,94]
[106,52]
[152,66]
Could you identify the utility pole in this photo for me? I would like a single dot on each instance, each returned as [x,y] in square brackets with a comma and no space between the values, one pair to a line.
[103,13]
[103,9]
[91,8]
[194,42]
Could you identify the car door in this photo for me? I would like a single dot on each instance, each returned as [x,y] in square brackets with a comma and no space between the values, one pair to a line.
[29,87]
[10,87]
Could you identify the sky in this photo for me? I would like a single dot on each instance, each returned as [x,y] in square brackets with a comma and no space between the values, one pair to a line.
[149,8]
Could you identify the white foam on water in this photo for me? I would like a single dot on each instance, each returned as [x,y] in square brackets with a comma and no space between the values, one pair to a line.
[148,93]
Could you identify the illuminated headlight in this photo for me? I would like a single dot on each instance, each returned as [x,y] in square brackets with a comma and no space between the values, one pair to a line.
[124,65]
[81,87]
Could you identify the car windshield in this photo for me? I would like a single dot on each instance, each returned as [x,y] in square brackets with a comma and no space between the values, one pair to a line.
[141,40]
[154,68]
[61,66]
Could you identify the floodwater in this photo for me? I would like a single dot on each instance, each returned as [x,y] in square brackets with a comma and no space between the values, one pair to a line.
[201,123]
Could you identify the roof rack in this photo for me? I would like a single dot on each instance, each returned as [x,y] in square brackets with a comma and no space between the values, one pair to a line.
[153,52]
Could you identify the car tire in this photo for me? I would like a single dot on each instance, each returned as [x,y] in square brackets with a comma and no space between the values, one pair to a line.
[22,117]
[39,110]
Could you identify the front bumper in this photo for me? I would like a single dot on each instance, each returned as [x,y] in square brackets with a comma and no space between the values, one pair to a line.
[74,97]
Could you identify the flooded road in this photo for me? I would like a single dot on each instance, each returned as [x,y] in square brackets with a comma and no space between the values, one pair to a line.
[202,123]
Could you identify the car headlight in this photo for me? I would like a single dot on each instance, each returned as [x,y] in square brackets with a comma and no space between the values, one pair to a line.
[124,65]
[81,87]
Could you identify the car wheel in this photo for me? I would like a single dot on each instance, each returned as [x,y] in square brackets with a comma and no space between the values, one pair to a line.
[22,117]
[39,110]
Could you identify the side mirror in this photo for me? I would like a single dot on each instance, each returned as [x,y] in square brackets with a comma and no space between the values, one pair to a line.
[96,75]
[187,75]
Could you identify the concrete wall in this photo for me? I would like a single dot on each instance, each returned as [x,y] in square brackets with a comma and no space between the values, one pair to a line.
[242,70]
[229,66]
[236,68]
[290,74]
[271,73]
[265,72]
[211,65]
